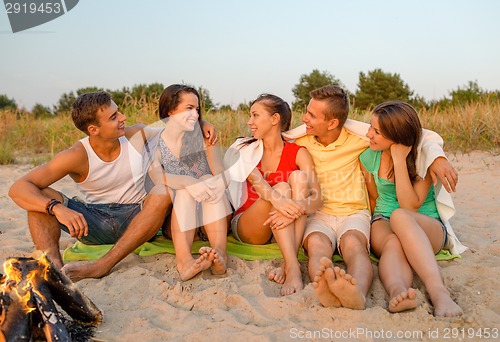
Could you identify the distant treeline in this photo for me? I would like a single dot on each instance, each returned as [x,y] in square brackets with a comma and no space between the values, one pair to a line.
[26,139]
[373,87]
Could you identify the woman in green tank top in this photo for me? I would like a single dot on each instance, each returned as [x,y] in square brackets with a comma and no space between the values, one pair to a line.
[406,230]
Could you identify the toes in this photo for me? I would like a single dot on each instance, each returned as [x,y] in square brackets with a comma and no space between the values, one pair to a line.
[205,250]
[317,278]
[339,272]
[326,262]
[412,294]
[329,275]
[286,291]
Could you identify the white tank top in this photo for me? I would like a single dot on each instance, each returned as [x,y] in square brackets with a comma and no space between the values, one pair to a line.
[119,181]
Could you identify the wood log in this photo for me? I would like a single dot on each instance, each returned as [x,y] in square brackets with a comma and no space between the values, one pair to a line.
[27,296]
[65,293]
[15,322]
[54,328]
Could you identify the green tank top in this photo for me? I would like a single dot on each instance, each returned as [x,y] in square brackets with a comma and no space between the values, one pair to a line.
[387,200]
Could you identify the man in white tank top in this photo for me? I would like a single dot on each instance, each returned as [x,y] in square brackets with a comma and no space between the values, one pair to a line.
[107,168]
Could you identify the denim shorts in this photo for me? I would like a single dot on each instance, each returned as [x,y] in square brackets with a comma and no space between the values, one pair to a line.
[377,217]
[106,222]
[234,226]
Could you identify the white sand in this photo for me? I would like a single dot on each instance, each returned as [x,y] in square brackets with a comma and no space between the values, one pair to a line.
[143,298]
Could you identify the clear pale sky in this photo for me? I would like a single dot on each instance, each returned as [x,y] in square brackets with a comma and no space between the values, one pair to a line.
[239,49]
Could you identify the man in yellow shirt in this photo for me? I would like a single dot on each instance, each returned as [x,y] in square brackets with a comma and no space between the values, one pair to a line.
[344,221]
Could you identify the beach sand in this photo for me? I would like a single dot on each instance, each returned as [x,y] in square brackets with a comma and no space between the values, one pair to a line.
[143,298]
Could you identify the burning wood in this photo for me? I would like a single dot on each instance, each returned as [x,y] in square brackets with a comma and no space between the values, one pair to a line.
[27,295]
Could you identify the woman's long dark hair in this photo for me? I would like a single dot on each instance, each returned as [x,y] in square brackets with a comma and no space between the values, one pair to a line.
[399,122]
[192,142]
[273,104]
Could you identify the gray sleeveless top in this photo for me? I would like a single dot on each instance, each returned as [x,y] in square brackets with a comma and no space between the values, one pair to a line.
[173,165]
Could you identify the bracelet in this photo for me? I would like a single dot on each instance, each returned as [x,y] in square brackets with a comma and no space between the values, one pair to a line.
[50,205]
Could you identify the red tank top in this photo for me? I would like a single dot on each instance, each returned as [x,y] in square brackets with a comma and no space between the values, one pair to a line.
[285,167]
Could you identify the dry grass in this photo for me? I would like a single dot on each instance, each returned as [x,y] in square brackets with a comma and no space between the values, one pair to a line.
[24,139]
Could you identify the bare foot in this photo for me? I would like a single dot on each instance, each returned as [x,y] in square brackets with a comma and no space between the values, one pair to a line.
[277,274]
[403,301]
[293,280]
[194,266]
[325,296]
[219,265]
[83,269]
[344,286]
[444,306]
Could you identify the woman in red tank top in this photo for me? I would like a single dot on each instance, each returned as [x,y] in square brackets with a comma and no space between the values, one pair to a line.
[281,191]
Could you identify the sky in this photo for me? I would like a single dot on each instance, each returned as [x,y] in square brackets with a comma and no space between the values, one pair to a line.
[239,49]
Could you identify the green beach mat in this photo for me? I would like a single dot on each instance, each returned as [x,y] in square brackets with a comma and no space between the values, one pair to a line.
[81,252]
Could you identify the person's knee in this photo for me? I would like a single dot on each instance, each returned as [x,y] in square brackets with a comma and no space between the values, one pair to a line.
[399,215]
[392,242]
[317,241]
[283,189]
[159,202]
[353,242]
[401,220]
[298,177]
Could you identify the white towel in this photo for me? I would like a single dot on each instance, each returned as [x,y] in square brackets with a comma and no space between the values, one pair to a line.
[240,160]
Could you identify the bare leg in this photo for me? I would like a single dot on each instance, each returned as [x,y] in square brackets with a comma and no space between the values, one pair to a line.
[293,276]
[298,181]
[320,251]
[217,233]
[287,240]
[187,265]
[394,270]
[251,229]
[45,230]
[143,227]
[421,236]
[352,287]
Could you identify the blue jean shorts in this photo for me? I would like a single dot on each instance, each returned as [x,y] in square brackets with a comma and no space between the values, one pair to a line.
[106,222]
[234,226]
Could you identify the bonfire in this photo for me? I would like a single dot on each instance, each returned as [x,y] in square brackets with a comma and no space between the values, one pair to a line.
[29,291]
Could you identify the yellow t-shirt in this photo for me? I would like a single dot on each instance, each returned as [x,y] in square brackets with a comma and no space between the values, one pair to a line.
[337,165]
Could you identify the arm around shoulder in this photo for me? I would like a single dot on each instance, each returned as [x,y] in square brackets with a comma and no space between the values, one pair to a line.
[432,157]
[431,147]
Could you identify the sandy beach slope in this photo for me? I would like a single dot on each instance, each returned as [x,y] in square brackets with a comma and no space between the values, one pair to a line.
[143,298]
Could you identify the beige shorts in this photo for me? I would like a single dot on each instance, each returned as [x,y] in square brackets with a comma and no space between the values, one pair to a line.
[336,226]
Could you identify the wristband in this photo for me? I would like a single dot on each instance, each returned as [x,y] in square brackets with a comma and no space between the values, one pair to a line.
[50,205]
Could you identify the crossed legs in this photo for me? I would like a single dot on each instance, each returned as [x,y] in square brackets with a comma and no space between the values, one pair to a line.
[216,229]
[251,229]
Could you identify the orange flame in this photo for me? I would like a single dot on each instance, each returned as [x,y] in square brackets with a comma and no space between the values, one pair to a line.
[12,272]
[13,278]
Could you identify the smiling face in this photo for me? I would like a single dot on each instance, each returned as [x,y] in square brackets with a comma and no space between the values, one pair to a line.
[377,141]
[185,115]
[261,122]
[111,122]
[315,119]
